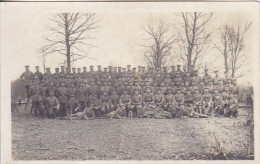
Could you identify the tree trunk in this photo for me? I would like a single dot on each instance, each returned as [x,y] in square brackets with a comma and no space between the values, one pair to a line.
[67,39]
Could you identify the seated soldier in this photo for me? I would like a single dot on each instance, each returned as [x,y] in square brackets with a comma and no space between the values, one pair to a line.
[52,105]
[206,101]
[217,103]
[159,101]
[197,100]
[114,101]
[78,115]
[148,103]
[179,97]
[119,113]
[96,106]
[72,105]
[170,103]
[125,100]
[136,102]
[105,101]
[231,110]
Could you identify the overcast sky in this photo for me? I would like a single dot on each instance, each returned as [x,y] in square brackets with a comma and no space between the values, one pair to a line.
[121,30]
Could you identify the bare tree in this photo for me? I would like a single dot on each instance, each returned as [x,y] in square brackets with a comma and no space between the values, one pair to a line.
[193,38]
[43,58]
[69,35]
[236,45]
[232,45]
[222,45]
[160,44]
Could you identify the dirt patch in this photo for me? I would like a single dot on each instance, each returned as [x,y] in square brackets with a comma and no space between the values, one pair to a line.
[130,139]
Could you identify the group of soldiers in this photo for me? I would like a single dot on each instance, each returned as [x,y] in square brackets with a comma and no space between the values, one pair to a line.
[117,92]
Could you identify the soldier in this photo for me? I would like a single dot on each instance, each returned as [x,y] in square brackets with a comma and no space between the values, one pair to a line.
[62,70]
[82,96]
[197,100]
[217,103]
[68,71]
[196,78]
[216,78]
[114,101]
[159,98]
[48,73]
[96,106]
[179,70]
[72,90]
[226,78]
[38,73]
[225,96]
[165,72]
[27,77]
[178,80]
[125,100]
[167,80]
[50,88]
[52,105]
[234,88]
[188,99]
[206,101]
[136,102]
[148,103]
[231,110]
[104,98]
[172,73]
[37,101]
[206,77]
[56,72]
[128,68]
[78,72]
[62,97]
[78,115]
[170,103]
[179,97]
[72,105]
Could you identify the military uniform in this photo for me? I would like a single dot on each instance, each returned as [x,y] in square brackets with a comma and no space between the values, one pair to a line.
[27,77]
[38,73]
[62,97]
[52,105]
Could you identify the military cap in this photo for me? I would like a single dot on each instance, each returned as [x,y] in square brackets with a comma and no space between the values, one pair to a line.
[36,66]
[119,67]
[62,66]
[143,67]
[178,65]
[134,68]
[173,66]
[26,66]
[105,68]
[99,65]
[57,68]
[48,68]
[216,71]
[115,67]
[206,69]
[78,68]
[91,66]
[139,66]
[84,67]
[73,68]
[196,71]
[109,67]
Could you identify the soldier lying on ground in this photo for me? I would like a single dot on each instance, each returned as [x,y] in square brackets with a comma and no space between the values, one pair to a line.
[78,115]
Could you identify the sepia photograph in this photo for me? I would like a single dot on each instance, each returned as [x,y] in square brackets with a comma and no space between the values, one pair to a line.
[127,81]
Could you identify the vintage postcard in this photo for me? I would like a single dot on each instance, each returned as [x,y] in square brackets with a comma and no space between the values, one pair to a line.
[161,82]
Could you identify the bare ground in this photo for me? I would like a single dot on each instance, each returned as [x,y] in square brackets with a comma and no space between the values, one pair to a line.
[130,139]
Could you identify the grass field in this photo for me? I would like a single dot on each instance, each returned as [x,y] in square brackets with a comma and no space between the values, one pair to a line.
[129,139]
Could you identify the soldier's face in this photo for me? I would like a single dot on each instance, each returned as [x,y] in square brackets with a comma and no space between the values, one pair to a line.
[37,68]
[27,68]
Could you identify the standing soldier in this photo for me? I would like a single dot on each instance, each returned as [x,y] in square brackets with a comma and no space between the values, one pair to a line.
[62,70]
[196,78]
[62,97]
[48,73]
[27,77]
[96,105]
[167,80]
[206,102]
[172,73]
[179,97]
[38,73]
[37,102]
[68,71]
[179,70]
[206,78]
[56,72]
[72,90]
[178,80]
[216,78]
